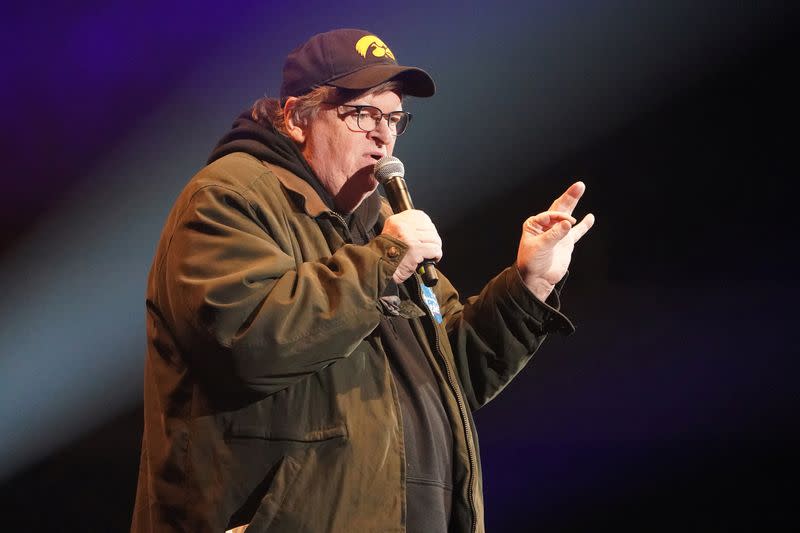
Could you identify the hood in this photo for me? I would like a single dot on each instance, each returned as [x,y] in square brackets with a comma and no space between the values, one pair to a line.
[264,142]
[248,136]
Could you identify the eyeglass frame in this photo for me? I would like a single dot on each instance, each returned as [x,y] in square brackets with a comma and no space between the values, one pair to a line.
[358,108]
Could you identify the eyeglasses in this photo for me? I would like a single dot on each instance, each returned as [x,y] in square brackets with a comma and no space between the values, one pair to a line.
[367,118]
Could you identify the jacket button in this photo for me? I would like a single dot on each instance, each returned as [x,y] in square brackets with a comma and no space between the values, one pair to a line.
[392,252]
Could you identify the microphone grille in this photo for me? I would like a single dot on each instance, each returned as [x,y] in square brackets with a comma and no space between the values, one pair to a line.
[387,167]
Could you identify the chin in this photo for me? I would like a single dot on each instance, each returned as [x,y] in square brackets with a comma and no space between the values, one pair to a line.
[366,186]
[365,179]
[356,189]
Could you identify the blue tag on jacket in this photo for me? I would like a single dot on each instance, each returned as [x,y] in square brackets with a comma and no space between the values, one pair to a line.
[432,303]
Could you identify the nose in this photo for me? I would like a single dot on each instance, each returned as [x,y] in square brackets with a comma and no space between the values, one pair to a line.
[382,133]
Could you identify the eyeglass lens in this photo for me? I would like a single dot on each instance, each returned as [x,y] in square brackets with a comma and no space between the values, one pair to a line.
[368,117]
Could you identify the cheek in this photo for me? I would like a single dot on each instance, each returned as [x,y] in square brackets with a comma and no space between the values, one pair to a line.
[332,158]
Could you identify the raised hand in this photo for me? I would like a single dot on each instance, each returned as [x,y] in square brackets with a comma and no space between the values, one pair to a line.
[545,248]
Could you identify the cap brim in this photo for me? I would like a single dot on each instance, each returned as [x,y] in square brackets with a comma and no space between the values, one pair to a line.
[415,81]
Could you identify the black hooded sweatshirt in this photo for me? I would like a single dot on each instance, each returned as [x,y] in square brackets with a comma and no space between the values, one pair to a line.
[427,434]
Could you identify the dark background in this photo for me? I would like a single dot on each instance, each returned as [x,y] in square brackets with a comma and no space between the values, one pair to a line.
[672,407]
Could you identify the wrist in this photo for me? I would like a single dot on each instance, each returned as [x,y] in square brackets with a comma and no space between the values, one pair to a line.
[539,287]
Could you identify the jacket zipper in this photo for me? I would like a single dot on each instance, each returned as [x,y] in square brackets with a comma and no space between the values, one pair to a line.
[340,218]
[451,381]
[461,406]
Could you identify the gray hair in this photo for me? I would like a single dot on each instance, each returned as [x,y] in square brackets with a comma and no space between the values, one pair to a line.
[268,111]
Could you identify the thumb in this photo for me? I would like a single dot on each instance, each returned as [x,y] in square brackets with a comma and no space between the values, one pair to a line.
[557,232]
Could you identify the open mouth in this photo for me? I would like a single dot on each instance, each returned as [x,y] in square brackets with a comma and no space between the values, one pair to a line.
[376,157]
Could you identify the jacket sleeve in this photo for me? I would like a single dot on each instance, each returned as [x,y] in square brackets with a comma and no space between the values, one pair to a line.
[493,335]
[241,306]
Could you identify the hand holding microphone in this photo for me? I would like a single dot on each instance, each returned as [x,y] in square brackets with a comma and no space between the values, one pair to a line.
[409,225]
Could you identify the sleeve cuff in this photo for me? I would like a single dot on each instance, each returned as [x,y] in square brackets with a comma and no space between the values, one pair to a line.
[391,251]
[547,313]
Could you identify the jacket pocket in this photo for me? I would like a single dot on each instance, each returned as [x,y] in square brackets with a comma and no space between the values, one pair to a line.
[251,431]
[265,467]
[286,473]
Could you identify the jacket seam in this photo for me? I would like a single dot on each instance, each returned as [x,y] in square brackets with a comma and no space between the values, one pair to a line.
[186,208]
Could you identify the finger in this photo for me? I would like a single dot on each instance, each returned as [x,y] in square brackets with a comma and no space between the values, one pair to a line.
[579,230]
[567,201]
[548,218]
[428,235]
[429,251]
[556,233]
[541,222]
[421,252]
[410,234]
[426,244]
[421,217]
[402,273]
[404,269]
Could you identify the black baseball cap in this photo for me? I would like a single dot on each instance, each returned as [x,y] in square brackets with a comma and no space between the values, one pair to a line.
[349,59]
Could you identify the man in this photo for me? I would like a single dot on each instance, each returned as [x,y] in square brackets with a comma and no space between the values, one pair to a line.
[299,376]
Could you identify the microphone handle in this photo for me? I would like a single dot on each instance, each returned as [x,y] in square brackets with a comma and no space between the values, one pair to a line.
[400,200]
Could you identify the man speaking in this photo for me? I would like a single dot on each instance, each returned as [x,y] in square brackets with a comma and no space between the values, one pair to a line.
[300,377]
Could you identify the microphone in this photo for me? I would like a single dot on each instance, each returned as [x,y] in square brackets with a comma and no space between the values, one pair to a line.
[389,171]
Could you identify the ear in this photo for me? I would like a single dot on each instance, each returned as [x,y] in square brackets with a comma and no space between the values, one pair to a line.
[293,129]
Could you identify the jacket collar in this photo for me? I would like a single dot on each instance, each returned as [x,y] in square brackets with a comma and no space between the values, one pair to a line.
[312,203]
[369,211]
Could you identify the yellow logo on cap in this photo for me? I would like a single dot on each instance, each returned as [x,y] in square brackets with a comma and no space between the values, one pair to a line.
[378,48]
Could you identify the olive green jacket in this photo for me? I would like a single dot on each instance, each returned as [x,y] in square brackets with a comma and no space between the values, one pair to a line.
[268,398]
